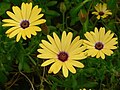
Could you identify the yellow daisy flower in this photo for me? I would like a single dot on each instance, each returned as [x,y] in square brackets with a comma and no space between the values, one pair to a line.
[62,53]
[101,11]
[24,21]
[100,43]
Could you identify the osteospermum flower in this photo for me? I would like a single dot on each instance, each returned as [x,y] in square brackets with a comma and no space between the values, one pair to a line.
[62,53]
[23,21]
[101,11]
[100,43]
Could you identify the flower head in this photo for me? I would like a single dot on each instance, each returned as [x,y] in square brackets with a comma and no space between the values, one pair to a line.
[101,11]
[62,53]
[23,21]
[100,43]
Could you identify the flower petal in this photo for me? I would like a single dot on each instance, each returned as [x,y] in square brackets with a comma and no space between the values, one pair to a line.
[70,67]
[57,41]
[77,64]
[65,71]
[48,62]
[17,12]
[38,22]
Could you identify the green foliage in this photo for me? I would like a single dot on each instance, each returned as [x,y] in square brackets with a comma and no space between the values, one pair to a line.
[20,67]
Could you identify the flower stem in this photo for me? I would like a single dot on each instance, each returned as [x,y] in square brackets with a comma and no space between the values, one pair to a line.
[63,21]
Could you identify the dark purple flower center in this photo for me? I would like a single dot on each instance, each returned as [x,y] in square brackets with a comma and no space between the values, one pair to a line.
[101,13]
[99,45]
[63,56]
[24,24]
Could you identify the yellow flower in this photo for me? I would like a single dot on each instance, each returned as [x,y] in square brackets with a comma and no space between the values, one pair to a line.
[62,53]
[24,21]
[101,11]
[100,43]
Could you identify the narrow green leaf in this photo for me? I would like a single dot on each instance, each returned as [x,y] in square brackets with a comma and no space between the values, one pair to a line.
[51,3]
[3,7]
[52,13]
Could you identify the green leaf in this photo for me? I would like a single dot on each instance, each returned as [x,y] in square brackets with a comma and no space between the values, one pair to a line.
[3,7]
[26,67]
[55,80]
[74,20]
[51,3]
[52,13]
[76,9]
[3,77]
[90,84]
[20,66]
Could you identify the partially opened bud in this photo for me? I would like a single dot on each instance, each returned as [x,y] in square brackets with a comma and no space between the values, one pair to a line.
[82,15]
[62,7]
[44,28]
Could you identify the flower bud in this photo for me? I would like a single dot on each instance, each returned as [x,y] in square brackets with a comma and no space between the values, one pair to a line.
[82,15]
[62,7]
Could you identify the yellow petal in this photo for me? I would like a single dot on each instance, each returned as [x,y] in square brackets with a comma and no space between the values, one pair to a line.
[88,43]
[34,28]
[77,50]
[38,22]
[57,66]
[107,51]
[96,13]
[18,37]
[29,8]
[10,14]
[110,47]
[15,32]
[102,55]
[36,18]
[70,67]
[92,52]
[24,10]
[17,12]
[47,62]
[52,42]
[52,68]
[68,41]
[75,40]
[78,56]
[75,45]
[28,32]
[5,25]
[77,64]
[97,36]
[23,32]
[89,37]
[46,55]
[11,29]
[65,71]
[97,8]
[100,7]
[102,33]
[104,6]
[98,17]
[98,55]
[107,35]
[10,21]
[35,11]
[57,41]
[63,40]
[111,42]
[108,12]
[49,46]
